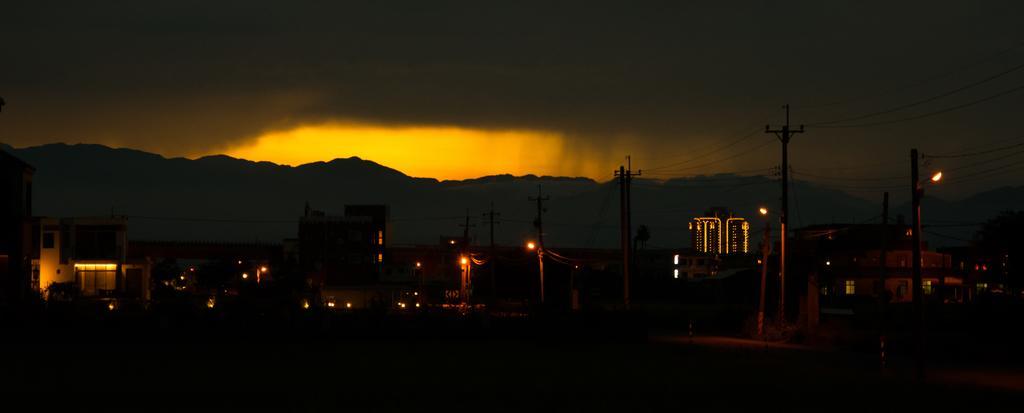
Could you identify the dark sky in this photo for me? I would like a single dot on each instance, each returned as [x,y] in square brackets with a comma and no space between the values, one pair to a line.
[666,81]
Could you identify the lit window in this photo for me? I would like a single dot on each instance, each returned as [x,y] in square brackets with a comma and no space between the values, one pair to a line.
[927,287]
[380,257]
[380,237]
[675,273]
[851,287]
[675,259]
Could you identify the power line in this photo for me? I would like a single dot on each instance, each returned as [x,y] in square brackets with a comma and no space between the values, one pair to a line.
[971,154]
[928,114]
[922,101]
[847,178]
[941,235]
[919,83]
[710,163]
[714,151]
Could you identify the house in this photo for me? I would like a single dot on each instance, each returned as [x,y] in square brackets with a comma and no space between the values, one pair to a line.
[90,255]
[847,259]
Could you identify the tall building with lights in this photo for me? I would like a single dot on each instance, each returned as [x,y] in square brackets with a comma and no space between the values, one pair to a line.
[711,234]
[706,235]
[737,236]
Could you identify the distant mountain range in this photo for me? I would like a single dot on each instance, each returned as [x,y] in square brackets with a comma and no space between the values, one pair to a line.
[228,199]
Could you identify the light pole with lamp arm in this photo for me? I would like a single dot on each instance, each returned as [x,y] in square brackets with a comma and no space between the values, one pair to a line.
[917,192]
[765,250]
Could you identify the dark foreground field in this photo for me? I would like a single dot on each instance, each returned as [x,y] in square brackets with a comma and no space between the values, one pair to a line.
[445,363]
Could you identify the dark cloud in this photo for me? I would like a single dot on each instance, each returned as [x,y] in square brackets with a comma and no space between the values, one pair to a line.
[187,77]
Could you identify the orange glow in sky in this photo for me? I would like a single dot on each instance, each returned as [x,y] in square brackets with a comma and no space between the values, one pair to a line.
[440,152]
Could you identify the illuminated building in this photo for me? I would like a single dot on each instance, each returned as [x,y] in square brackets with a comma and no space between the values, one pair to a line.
[737,236]
[711,234]
[847,262]
[706,235]
[90,254]
[345,255]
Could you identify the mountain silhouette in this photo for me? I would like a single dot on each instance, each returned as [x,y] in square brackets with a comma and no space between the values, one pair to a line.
[227,199]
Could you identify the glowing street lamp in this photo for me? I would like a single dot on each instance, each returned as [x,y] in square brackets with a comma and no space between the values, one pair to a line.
[917,192]
[245,276]
[464,260]
[763,210]
[531,246]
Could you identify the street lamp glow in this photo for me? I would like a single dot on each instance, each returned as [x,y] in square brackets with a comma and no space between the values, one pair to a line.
[245,276]
[937,177]
[464,260]
[763,210]
[531,246]
[263,269]
[418,264]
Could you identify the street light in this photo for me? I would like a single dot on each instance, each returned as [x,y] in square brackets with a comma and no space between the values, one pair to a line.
[765,249]
[531,246]
[917,192]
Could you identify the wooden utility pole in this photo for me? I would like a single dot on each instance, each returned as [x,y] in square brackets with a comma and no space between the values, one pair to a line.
[539,223]
[784,134]
[465,231]
[468,256]
[765,251]
[493,256]
[915,239]
[881,290]
[882,250]
[625,175]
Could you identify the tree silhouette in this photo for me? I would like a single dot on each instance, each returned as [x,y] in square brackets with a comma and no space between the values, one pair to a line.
[643,234]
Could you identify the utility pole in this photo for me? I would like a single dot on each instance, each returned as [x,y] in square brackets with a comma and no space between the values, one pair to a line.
[540,237]
[882,252]
[765,250]
[466,255]
[625,175]
[494,262]
[465,231]
[882,291]
[915,235]
[784,134]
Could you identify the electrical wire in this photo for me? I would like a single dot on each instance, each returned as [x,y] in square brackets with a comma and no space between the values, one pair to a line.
[972,154]
[922,82]
[927,114]
[922,101]
[672,167]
